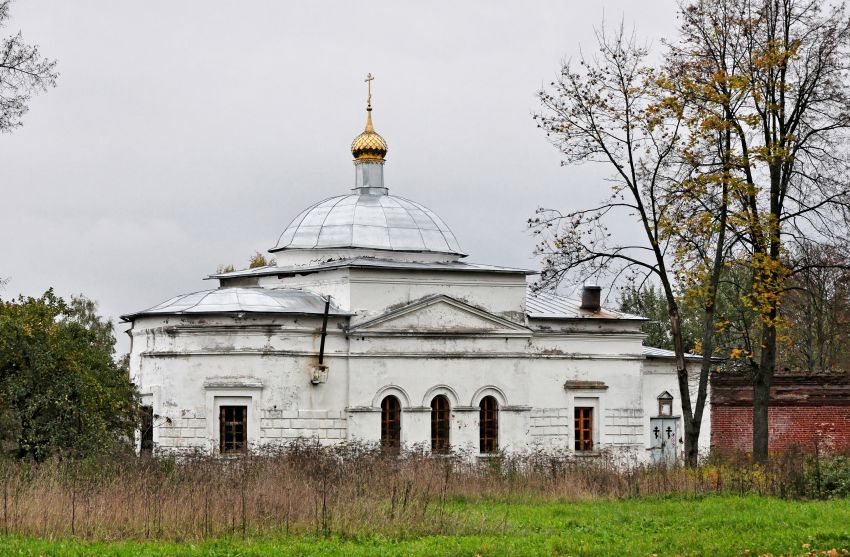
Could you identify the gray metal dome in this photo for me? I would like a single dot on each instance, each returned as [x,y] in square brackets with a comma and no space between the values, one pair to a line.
[369,220]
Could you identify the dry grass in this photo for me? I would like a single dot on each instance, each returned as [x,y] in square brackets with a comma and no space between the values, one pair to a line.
[346,490]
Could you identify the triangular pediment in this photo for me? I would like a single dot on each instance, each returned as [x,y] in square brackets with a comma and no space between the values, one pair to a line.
[441,315]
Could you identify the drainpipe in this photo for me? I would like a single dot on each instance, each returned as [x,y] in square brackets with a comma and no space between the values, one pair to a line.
[320,370]
[324,331]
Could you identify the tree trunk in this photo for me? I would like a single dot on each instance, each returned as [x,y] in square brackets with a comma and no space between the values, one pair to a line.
[691,433]
[692,429]
[761,393]
[769,279]
[694,425]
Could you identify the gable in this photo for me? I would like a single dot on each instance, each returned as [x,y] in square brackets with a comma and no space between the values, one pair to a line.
[441,315]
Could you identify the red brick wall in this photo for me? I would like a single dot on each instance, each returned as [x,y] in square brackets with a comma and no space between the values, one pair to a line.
[732,428]
[805,410]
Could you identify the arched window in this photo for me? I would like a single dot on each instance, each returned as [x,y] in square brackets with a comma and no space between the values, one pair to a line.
[440,420]
[489,425]
[390,423]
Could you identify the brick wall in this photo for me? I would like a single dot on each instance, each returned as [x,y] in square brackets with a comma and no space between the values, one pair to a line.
[624,426]
[550,428]
[191,430]
[804,411]
[184,433]
[328,426]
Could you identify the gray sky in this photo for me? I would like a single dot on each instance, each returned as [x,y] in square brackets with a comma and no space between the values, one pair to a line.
[184,135]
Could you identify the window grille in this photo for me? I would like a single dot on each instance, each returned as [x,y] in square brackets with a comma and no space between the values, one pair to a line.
[390,423]
[489,425]
[233,424]
[440,421]
[584,428]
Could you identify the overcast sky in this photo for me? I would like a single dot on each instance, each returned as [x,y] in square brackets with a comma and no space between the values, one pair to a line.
[184,135]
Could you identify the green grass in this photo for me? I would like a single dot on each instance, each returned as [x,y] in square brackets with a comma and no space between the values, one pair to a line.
[716,526]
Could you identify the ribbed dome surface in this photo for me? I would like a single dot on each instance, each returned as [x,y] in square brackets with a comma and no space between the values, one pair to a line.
[367,220]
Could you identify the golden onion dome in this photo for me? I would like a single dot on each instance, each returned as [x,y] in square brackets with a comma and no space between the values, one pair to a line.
[369,145]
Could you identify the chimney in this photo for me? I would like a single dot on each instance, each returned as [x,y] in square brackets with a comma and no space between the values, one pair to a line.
[590,298]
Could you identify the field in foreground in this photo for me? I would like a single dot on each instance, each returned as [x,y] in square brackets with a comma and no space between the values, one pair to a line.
[675,525]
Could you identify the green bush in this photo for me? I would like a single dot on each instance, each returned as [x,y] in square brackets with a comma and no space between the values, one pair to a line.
[829,477]
[61,390]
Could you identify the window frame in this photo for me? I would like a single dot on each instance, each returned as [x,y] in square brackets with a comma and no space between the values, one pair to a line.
[583,429]
[391,425]
[440,425]
[146,430]
[665,399]
[238,447]
[488,425]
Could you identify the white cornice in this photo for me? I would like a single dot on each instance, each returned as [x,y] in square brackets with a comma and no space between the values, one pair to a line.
[437,354]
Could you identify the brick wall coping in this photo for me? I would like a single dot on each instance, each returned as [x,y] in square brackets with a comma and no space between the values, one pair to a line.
[787,390]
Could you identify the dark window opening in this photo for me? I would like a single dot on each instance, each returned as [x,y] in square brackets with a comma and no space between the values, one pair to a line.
[146,430]
[489,425]
[233,425]
[391,424]
[440,421]
[584,428]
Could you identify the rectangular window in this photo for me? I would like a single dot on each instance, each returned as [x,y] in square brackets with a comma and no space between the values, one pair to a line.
[584,428]
[233,426]
[147,430]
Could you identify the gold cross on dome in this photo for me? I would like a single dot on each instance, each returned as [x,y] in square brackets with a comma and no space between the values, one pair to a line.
[368,81]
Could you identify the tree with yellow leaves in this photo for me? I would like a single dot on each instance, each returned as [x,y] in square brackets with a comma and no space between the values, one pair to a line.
[729,154]
[772,76]
[617,110]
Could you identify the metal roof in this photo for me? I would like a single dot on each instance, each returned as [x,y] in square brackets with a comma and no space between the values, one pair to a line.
[242,300]
[371,263]
[546,305]
[368,219]
[651,352]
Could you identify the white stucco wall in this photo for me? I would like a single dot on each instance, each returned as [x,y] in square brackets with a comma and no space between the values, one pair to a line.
[659,375]
[476,342]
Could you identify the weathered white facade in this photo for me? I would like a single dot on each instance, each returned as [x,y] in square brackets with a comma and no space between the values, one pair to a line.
[406,317]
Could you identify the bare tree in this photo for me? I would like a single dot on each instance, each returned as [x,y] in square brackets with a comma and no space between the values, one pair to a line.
[23,73]
[816,310]
[617,110]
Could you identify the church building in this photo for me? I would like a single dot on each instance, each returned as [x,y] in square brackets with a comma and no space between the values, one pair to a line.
[371,325]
